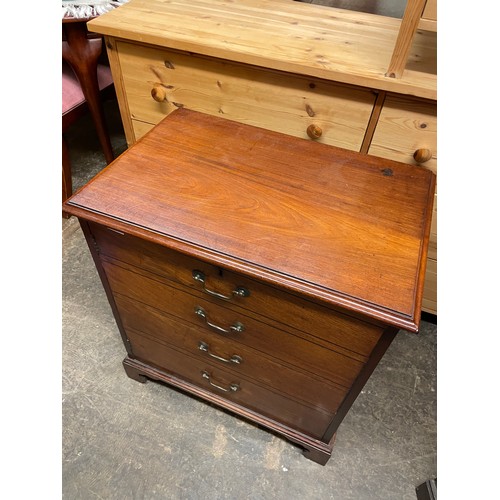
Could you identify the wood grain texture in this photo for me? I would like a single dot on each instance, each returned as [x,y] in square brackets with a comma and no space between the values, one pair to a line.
[273,100]
[432,250]
[404,127]
[430,10]
[429,300]
[307,388]
[254,397]
[369,367]
[140,129]
[257,334]
[114,64]
[407,31]
[346,334]
[330,246]
[345,228]
[334,44]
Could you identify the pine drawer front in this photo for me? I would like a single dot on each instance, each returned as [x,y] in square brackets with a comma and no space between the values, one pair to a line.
[224,351]
[407,128]
[276,101]
[347,334]
[292,349]
[139,129]
[230,385]
[429,302]
[432,253]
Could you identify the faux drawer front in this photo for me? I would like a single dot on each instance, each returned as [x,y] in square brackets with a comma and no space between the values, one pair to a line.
[407,128]
[226,352]
[226,384]
[283,102]
[297,351]
[345,333]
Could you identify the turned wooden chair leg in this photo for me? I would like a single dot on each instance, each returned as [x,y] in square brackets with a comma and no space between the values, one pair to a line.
[83,54]
[89,81]
[67,183]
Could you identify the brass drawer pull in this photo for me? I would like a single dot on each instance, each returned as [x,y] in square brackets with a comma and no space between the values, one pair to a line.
[237,327]
[238,292]
[233,387]
[203,346]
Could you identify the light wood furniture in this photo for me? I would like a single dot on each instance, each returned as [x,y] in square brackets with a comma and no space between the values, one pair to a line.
[418,14]
[428,20]
[258,271]
[310,71]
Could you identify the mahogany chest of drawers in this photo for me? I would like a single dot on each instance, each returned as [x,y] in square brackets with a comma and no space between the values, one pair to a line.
[264,273]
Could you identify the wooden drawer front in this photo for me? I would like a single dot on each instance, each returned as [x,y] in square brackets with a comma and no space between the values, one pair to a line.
[249,395]
[345,333]
[429,300]
[430,10]
[272,100]
[140,128]
[265,370]
[406,125]
[432,249]
[292,349]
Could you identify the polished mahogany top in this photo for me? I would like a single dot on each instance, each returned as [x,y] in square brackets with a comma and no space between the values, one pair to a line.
[338,226]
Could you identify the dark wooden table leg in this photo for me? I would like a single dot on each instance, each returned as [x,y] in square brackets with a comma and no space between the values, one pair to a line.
[82,54]
[67,185]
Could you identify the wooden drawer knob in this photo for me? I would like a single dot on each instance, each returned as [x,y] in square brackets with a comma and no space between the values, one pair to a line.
[422,155]
[158,93]
[314,132]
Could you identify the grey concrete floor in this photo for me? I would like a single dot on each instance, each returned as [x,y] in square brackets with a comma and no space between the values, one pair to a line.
[124,440]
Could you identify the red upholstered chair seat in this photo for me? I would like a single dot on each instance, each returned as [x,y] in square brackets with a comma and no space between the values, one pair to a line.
[72,94]
[85,82]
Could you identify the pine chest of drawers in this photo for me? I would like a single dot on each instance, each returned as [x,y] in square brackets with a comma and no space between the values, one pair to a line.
[264,273]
